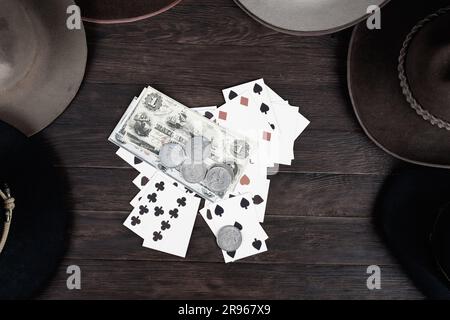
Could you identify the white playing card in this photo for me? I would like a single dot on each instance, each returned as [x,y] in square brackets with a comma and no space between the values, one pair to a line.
[165,216]
[257,86]
[259,91]
[243,115]
[288,122]
[239,212]
[258,189]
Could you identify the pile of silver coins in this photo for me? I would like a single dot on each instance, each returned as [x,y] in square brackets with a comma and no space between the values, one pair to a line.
[189,160]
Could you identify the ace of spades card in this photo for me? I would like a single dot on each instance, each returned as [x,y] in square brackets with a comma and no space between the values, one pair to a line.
[239,212]
[165,216]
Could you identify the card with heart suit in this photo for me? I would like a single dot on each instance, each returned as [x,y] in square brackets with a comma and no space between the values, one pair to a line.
[165,216]
[257,186]
[239,212]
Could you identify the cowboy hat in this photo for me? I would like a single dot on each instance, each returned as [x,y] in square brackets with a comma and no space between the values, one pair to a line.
[33,218]
[42,62]
[413,214]
[122,11]
[399,81]
[306,17]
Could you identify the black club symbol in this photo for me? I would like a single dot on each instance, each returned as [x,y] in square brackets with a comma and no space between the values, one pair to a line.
[165,225]
[159,186]
[143,210]
[173,213]
[135,221]
[181,202]
[188,190]
[152,197]
[159,211]
[157,236]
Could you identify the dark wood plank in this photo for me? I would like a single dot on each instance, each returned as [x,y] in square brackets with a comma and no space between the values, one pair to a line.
[315,150]
[326,110]
[213,25]
[196,280]
[290,194]
[305,240]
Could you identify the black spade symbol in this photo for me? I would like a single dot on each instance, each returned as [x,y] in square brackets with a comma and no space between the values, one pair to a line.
[257,244]
[238,225]
[264,108]
[232,95]
[208,115]
[257,89]
[137,160]
[208,214]
[218,211]
[231,253]
[257,199]
[244,203]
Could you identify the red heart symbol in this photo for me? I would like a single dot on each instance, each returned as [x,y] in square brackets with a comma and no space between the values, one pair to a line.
[244,180]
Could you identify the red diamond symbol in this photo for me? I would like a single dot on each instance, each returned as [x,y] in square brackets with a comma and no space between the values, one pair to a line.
[222,115]
[267,135]
[244,101]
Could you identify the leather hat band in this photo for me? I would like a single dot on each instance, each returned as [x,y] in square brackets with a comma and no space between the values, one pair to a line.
[415,105]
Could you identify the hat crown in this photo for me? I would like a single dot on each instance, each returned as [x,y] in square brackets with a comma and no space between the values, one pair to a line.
[17,43]
[428,67]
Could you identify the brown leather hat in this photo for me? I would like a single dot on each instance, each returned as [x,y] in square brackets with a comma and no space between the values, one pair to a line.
[399,81]
[122,11]
[308,17]
[42,62]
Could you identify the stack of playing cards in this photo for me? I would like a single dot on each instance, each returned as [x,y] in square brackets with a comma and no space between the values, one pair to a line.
[165,210]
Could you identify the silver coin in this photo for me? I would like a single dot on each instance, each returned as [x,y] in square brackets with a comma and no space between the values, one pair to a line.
[193,172]
[229,238]
[198,148]
[172,155]
[218,178]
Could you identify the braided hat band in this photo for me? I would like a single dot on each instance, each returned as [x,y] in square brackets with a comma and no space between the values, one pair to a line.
[9,205]
[421,111]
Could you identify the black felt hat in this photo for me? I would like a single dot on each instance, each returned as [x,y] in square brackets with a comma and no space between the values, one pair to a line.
[413,213]
[36,238]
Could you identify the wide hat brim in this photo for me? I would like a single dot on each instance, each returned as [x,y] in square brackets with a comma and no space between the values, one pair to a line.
[122,11]
[306,17]
[37,236]
[55,69]
[406,212]
[376,94]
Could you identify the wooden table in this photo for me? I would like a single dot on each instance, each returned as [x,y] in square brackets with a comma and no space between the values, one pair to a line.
[319,212]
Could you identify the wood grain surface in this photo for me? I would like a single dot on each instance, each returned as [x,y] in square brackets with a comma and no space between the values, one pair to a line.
[319,214]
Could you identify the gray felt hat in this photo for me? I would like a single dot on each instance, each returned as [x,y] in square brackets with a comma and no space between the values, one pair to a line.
[308,17]
[42,62]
